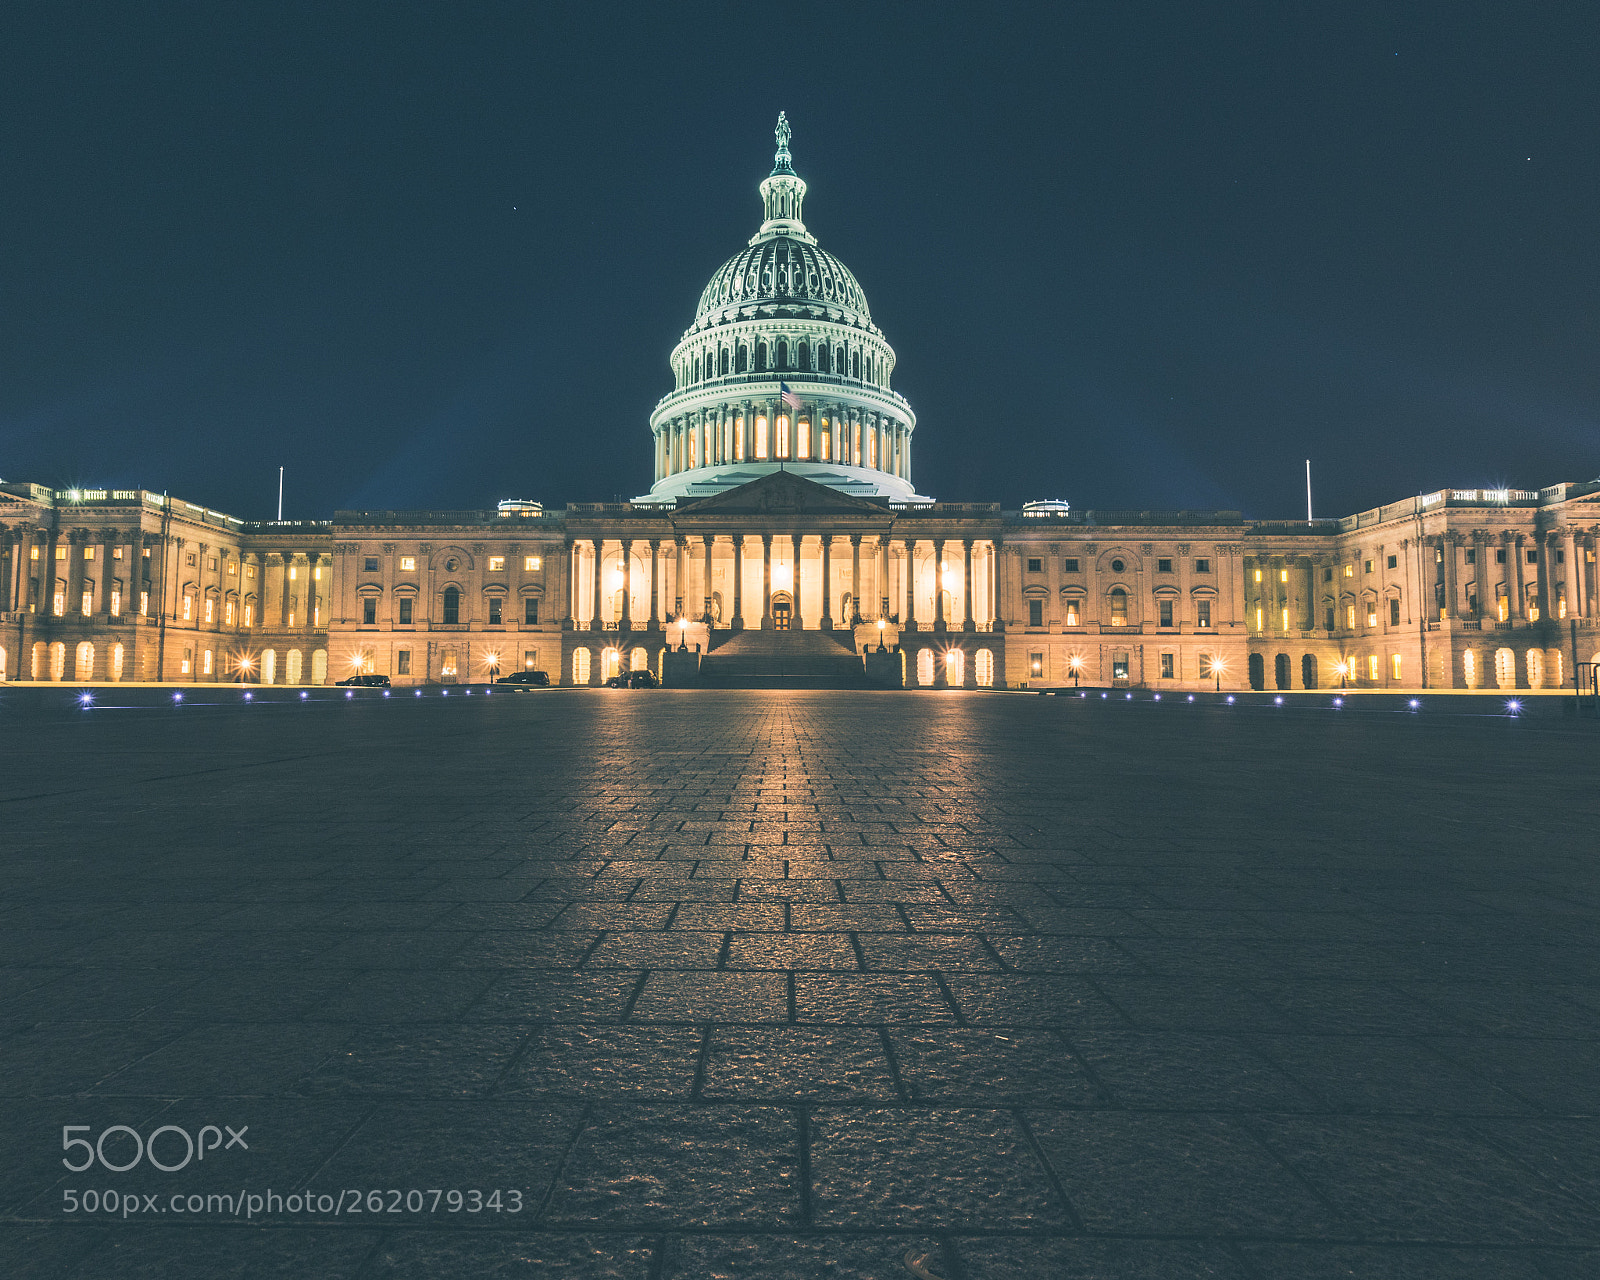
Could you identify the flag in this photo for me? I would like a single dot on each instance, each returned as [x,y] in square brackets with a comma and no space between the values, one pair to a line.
[789,397]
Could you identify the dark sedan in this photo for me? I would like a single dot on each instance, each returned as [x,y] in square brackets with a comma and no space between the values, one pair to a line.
[640,679]
[539,678]
[364,682]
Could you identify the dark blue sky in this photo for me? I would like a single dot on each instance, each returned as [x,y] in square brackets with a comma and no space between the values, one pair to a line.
[1130,255]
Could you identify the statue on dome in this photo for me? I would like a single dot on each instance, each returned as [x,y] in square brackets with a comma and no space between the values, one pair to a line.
[782,132]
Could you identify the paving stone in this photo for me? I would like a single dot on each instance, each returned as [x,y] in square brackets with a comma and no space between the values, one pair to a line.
[437,1255]
[606,1062]
[718,997]
[798,1064]
[1029,1259]
[974,1066]
[743,1257]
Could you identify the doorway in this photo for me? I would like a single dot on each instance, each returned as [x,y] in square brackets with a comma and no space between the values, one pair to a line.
[780,613]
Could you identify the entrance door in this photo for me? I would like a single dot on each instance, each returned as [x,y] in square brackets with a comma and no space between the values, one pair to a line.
[780,615]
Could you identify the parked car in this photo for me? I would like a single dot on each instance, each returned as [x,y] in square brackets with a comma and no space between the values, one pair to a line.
[640,679]
[540,678]
[365,682]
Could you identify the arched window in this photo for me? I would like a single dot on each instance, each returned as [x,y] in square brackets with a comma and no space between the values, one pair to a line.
[36,666]
[452,605]
[924,666]
[802,359]
[84,668]
[1469,669]
[638,660]
[855,364]
[319,666]
[1258,672]
[291,667]
[1119,607]
[722,361]
[822,359]
[955,667]
[983,669]
[580,657]
[1308,670]
[840,364]
[58,660]
[783,354]
[1505,668]
[116,662]
[761,357]
[741,361]
[269,666]
[1535,669]
[1552,666]
[761,439]
[610,663]
[1280,670]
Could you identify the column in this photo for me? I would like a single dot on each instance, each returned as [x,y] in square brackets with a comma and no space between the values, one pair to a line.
[1480,553]
[738,582]
[968,622]
[595,622]
[766,582]
[827,583]
[627,586]
[1451,552]
[678,594]
[882,583]
[855,579]
[939,620]
[796,621]
[996,622]
[705,578]
[655,584]
[1572,576]
[909,621]
[1514,578]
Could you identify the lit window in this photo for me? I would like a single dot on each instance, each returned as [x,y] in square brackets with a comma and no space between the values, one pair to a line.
[1349,571]
[1372,666]
[1072,613]
[1283,575]
[827,442]
[531,564]
[294,573]
[61,553]
[1036,664]
[1285,625]
[86,603]
[1258,575]
[116,553]
[144,603]
[1205,666]
[1372,615]
[188,608]
[249,615]
[1260,620]
[1119,607]
[211,609]
[1168,665]
[33,553]
[1395,660]
[402,662]
[116,604]
[233,569]
[408,564]
[761,439]
[1203,612]
[227,613]
[88,553]
[497,564]
[802,439]
[316,574]
[447,662]
[316,615]
[213,564]
[783,435]
[188,661]
[1350,617]
[530,659]
[249,571]
[205,662]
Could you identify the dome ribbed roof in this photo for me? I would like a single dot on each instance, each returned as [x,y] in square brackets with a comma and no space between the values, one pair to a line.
[781,271]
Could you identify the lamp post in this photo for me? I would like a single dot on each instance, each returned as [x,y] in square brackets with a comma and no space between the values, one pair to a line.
[492,662]
[245,665]
[880,635]
[1077,670]
[683,634]
[1217,667]
[1343,668]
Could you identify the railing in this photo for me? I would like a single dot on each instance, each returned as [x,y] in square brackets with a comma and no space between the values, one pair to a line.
[1504,626]
[1471,625]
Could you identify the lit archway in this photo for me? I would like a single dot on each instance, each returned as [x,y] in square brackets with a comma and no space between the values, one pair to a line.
[580,666]
[955,667]
[291,667]
[610,663]
[58,660]
[319,666]
[983,669]
[639,660]
[269,666]
[1469,669]
[924,666]
[83,664]
[1505,668]
[1535,669]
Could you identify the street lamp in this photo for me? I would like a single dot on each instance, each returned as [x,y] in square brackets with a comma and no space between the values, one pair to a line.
[492,662]
[1343,668]
[683,634]
[1218,666]
[881,625]
[1076,663]
[246,664]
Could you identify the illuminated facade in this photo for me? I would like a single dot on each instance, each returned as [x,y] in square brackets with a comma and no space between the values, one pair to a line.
[768,517]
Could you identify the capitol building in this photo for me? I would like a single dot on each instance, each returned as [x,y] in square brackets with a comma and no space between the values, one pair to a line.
[783,542]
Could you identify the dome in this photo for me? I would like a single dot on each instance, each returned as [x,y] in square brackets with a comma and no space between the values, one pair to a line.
[782,275]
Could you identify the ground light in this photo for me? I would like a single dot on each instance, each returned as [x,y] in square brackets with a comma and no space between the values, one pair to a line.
[1230,699]
[1191,697]
[248,696]
[1158,697]
[1413,704]
[1513,707]
[1278,701]
[1338,702]
[86,699]
[177,695]
[304,695]
[349,694]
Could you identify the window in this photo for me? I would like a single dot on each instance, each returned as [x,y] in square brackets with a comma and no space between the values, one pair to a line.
[1500,555]
[1069,565]
[1349,571]
[191,562]
[1258,575]
[408,564]
[1350,617]
[294,572]
[370,564]
[1036,665]
[1036,613]
[1283,575]
[1035,566]
[316,574]
[1561,557]
[213,564]
[1394,612]
[144,603]
[233,568]
[116,603]
[1366,566]
[33,553]
[1203,613]
[405,610]
[116,553]
[452,606]
[447,662]
[205,662]
[1372,666]
[1206,668]
[402,662]
[1119,607]
[1168,664]
[86,604]
[531,564]
[211,609]
[1202,566]
[1284,620]
[61,554]
[1165,610]
[88,553]
[1330,619]
[369,611]
[1072,613]
[496,608]
[1163,566]
[530,659]
[1117,566]
[249,571]
[761,439]
[188,658]
[1372,613]
[188,607]
[1394,661]
[1327,574]
[1394,561]
[530,611]
[497,564]
[249,614]
[1533,557]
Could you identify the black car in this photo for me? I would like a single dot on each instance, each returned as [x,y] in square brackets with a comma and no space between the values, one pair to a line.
[540,678]
[640,679]
[365,682]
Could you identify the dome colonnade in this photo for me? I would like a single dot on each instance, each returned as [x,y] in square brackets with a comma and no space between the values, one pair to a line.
[782,312]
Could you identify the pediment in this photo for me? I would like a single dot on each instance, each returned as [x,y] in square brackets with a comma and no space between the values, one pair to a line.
[783,493]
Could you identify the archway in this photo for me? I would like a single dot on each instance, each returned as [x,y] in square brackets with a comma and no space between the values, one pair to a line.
[1308,671]
[610,663]
[83,667]
[1505,668]
[639,660]
[291,667]
[116,662]
[580,666]
[2,663]
[1258,672]
[1535,669]
[924,666]
[58,660]
[319,666]
[1469,669]
[983,669]
[782,611]
[1280,671]
[269,666]
[36,667]
[955,667]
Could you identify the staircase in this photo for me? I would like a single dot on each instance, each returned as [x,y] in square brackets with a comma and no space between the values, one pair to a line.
[783,660]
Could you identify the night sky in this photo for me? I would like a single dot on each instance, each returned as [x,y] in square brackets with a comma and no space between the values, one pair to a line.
[431,255]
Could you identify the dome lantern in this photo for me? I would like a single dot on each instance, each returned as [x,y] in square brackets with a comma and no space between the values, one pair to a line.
[782,192]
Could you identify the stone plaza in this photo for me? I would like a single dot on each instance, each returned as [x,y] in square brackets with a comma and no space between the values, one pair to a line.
[672,985]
